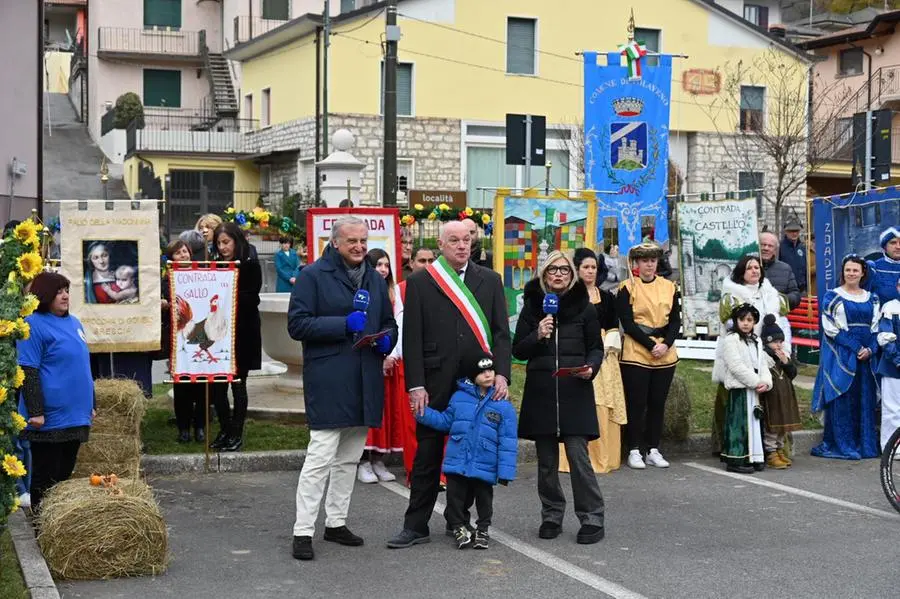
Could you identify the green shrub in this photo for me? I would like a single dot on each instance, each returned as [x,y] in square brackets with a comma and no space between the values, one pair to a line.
[677,419]
[128,109]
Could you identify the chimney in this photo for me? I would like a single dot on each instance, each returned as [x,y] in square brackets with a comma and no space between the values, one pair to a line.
[778,31]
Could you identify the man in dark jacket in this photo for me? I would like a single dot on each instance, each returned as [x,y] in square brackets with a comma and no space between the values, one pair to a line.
[793,253]
[343,386]
[480,256]
[779,274]
[452,309]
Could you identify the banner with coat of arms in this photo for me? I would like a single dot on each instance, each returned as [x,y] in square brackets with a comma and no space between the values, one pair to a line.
[626,136]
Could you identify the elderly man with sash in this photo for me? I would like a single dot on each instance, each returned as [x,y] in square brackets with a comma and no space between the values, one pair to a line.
[452,308]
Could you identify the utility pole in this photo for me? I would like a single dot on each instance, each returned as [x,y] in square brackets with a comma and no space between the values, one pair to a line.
[389,163]
[327,32]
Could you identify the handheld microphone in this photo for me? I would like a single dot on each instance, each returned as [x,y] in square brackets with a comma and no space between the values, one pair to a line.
[551,307]
[360,304]
[551,304]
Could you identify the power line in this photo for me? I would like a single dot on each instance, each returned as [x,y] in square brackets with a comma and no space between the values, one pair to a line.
[360,26]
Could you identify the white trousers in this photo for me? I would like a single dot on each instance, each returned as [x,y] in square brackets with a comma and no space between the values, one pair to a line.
[332,457]
[890,408]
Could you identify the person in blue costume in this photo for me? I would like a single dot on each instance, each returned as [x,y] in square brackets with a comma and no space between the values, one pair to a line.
[286,264]
[845,387]
[885,272]
[889,369]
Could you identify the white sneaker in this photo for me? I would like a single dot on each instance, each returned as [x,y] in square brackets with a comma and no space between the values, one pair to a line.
[654,458]
[635,460]
[25,500]
[383,474]
[364,473]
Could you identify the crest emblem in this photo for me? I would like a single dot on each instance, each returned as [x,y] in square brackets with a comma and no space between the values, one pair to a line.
[628,146]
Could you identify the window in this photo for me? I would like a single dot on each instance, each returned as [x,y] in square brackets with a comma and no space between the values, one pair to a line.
[276,9]
[851,62]
[521,41]
[405,172]
[162,88]
[752,108]
[650,39]
[306,177]
[348,6]
[248,106]
[162,13]
[486,167]
[404,88]
[843,135]
[265,111]
[265,178]
[758,15]
[747,182]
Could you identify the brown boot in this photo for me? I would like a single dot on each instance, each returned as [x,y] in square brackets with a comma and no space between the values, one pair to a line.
[784,456]
[773,460]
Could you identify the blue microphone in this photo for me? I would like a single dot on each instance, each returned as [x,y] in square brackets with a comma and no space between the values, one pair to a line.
[551,304]
[358,317]
[361,300]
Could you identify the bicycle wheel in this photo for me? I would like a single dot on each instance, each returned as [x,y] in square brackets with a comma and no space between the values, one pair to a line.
[889,476]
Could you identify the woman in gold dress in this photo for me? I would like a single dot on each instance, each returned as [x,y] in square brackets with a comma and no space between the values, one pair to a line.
[609,396]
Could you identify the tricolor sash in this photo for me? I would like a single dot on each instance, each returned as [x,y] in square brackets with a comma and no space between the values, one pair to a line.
[454,288]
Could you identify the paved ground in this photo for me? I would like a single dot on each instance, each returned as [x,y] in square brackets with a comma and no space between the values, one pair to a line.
[691,531]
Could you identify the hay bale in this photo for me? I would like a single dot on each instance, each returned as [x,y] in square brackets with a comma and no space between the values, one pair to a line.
[114,444]
[89,533]
[677,419]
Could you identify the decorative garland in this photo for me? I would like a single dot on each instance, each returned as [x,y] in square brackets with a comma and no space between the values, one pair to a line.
[264,222]
[444,213]
[20,262]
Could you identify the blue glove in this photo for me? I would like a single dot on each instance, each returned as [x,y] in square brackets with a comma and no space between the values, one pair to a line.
[356,322]
[383,344]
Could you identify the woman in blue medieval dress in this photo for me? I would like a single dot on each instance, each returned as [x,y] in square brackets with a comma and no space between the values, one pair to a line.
[845,386]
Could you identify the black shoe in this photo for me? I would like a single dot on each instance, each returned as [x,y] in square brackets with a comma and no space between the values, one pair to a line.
[184,436]
[759,466]
[408,538]
[740,469]
[589,534]
[481,539]
[232,444]
[549,530]
[219,440]
[343,536]
[463,537]
[451,532]
[302,548]
[199,435]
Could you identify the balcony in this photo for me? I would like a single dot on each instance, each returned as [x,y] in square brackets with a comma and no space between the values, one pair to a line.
[187,131]
[840,149]
[247,28]
[139,44]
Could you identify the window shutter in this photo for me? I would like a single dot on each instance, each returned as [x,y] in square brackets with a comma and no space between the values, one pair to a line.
[162,88]
[276,9]
[520,46]
[404,89]
[763,17]
[162,13]
[348,6]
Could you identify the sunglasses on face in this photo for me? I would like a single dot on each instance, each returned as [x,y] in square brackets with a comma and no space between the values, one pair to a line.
[563,270]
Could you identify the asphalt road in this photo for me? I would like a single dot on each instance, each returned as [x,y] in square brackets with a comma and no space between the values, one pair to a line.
[820,529]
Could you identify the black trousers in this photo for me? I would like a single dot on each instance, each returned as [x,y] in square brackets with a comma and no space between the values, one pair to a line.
[51,463]
[646,390]
[462,492]
[230,420]
[425,480]
[190,401]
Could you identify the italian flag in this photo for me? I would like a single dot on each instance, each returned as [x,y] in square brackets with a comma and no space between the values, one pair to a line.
[454,288]
[633,52]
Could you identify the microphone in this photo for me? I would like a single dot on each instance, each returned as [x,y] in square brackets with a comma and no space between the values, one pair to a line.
[361,306]
[551,307]
[551,304]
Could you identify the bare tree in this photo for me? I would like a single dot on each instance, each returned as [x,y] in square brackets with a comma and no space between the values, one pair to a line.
[796,130]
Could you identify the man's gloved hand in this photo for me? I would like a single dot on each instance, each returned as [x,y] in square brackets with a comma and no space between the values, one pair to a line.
[356,322]
[383,344]
[503,482]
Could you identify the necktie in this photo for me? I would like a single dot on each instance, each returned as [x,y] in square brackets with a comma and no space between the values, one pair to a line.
[461,272]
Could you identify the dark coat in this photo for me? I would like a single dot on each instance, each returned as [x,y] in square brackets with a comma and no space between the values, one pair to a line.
[343,387]
[248,338]
[578,333]
[165,333]
[782,279]
[794,255]
[436,338]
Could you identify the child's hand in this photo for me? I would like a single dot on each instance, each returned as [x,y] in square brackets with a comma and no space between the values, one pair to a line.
[762,388]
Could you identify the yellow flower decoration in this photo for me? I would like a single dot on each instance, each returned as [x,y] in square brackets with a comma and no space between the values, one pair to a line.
[444,207]
[485,218]
[229,210]
[13,277]
[24,328]
[432,216]
[12,466]
[18,421]
[419,207]
[30,265]
[2,393]
[15,506]
[7,327]
[29,305]
[27,233]
[19,379]
[469,211]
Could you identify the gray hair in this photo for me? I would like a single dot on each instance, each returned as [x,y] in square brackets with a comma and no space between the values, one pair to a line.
[772,235]
[344,221]
[444,226]
[194,240]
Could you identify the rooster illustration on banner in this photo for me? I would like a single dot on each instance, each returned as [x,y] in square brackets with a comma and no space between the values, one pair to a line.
[203,317]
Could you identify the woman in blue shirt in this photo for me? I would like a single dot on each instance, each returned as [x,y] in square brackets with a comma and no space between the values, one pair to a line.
[286,264]
[57,398]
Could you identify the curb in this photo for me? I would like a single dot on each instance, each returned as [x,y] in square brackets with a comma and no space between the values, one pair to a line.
[270,461]
[34,568]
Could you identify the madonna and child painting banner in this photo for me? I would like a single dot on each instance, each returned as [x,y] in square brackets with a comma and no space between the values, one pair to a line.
[714,235]
[626,139]
[111,256]
[203,316]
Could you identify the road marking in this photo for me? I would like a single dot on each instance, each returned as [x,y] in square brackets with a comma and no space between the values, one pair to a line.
[795,491]
[544,558]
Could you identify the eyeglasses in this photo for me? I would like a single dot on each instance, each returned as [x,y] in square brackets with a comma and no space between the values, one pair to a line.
[563,270]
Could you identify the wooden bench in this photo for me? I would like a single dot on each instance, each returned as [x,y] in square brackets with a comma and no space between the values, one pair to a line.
[805,317]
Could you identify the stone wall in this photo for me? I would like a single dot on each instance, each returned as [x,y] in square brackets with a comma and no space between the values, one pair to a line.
[433,145]
[715,160]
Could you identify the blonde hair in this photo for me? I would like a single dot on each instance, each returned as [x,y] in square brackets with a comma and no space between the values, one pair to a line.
[210,220]
[551,258]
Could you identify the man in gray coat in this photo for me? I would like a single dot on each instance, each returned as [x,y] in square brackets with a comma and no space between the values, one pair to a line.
[779,273]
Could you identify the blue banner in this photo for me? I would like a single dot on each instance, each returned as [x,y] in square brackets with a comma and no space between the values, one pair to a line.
[626,138]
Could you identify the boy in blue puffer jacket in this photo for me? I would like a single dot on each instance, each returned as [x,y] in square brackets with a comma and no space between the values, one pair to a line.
[481,451]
